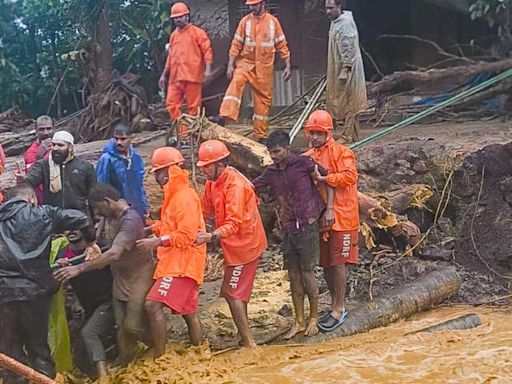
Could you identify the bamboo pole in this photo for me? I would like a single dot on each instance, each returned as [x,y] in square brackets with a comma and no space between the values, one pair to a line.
[28,373]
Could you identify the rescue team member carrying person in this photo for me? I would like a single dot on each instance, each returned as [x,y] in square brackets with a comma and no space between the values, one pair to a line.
[338,244]
[180,266]
[230,198]
[251,60]
[188,65]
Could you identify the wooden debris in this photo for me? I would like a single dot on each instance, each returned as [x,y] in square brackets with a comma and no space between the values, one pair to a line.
[460,323]
[23,370]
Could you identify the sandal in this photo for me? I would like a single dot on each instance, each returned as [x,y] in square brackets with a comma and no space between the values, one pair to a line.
[330,323]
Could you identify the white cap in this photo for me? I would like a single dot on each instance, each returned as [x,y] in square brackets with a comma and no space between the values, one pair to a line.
[64,136]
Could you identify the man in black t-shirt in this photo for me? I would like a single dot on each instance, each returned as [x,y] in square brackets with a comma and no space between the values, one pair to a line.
[94,292]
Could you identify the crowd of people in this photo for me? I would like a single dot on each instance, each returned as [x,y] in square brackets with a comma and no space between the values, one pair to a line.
[124,267]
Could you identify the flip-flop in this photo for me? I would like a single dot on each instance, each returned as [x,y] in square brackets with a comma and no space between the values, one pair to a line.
[331,323]
[324,315]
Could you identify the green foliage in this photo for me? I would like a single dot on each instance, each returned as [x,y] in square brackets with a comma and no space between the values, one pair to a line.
[498,14]
[40,40]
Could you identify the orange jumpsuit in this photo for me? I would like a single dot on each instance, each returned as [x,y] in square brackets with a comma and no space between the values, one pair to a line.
[189,50]
[231,200]
[181,218]
[254,45]
[340,162]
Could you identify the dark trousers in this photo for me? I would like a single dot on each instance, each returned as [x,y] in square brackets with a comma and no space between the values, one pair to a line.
[24,328]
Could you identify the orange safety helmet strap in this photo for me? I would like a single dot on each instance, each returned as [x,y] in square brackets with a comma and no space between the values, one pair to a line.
[165,157]
[179,9]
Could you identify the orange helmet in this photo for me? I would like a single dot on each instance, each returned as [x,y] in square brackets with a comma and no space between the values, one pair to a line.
[179,9]
[211,151]
[320,120]
[165,157]
[253,2]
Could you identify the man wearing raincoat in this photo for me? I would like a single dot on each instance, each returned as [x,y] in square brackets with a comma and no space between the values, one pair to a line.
[122,167]
[346,87]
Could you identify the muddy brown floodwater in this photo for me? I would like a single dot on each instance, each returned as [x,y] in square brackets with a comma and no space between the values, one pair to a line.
[385,355]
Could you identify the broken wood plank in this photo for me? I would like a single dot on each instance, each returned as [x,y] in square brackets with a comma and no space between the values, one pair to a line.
[402,302]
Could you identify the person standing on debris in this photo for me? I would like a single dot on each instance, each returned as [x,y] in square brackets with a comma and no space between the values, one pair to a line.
[132,269]
[26,282]
[290,180]
[339,244]
[230,199]
[346,84]
[65,178]
[251,60]
[94,293]
[181,264]
[122,167]
[189,63]
[41,148]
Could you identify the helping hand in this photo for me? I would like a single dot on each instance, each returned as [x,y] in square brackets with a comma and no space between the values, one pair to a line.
[203,237]
[145,245]
[64,274]
[92,252]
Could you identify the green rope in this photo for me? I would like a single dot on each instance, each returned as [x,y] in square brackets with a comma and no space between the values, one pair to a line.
[430,111]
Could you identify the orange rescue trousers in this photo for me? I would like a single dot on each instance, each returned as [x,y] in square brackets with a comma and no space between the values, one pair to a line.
[178,91]
[262,98]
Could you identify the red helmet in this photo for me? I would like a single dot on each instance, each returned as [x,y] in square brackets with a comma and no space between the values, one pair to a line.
[179,9]
[165,157]
[253,2]
[212,151]
[320,120]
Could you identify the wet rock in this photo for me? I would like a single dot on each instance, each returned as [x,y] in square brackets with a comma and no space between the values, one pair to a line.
[285,311]
[434,253]
[420,167]
[445,225]
[403,163]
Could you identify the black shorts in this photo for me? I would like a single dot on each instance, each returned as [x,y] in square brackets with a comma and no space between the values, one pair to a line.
[301,250]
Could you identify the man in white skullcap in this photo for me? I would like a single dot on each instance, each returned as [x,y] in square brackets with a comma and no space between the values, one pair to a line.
[66,179]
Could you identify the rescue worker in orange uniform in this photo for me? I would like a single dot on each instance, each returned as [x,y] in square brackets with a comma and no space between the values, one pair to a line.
[230,198]
[338,244]
[180,267]
[258,36]
[188,64]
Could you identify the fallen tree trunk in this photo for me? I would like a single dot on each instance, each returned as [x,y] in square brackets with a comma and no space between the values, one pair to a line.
[247,155]
[414,196]
[460,323]
[410,79]
[402,302]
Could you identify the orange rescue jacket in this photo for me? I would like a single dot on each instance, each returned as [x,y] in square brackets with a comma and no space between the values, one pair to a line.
[231,200]
[340,162]
[189,50]
[181,218]
[255,43]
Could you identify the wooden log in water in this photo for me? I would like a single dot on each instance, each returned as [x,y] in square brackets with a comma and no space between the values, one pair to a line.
[460,323]
[424,293]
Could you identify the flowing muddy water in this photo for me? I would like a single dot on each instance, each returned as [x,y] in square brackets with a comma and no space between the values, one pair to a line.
[385,355]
